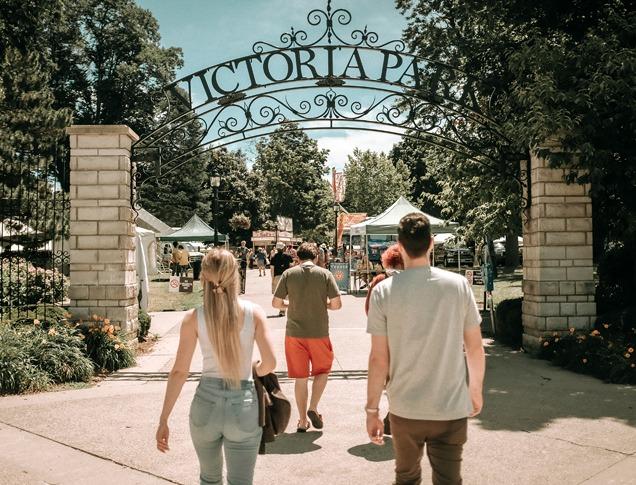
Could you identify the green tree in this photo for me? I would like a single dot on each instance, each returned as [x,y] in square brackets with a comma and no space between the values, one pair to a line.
[548,69]
[111,65]
[292,167]
[414,155]
[30,124]
[373,182]
[240,193]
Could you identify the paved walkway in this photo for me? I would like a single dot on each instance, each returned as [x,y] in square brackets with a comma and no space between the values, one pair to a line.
[540,424]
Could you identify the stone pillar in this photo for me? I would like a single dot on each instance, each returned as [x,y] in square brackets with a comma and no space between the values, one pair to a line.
[558,279]
[103,275]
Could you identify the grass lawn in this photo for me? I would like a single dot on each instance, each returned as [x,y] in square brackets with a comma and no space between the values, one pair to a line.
[507,286]
[161,300]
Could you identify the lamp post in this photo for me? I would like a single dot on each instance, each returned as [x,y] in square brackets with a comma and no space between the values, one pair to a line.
[336,211]
[215,182]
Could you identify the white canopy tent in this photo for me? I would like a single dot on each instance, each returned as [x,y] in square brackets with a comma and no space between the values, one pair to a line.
[386,224]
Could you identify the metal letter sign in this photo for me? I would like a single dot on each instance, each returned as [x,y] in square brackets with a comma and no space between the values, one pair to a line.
[323,79]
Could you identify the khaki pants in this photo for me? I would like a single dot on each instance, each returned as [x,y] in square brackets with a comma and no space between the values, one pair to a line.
[444,442]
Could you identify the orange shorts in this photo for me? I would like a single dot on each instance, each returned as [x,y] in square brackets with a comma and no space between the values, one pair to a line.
[299,352]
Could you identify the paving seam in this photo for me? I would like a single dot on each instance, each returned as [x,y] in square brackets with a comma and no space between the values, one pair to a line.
[605,469]
[95,455]
[537,435]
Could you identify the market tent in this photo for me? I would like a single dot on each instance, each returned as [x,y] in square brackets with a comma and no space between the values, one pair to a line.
[387,222]
[146,240]
[193,230]
[148,221]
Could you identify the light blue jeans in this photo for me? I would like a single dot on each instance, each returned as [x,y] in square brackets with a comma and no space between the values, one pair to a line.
[221,417]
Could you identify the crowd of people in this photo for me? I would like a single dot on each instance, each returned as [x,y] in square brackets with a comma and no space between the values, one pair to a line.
[426,354]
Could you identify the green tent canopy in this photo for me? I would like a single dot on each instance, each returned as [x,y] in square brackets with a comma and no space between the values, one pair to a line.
[194,230]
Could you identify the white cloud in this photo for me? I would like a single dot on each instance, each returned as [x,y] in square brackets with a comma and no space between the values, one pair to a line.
[342,144]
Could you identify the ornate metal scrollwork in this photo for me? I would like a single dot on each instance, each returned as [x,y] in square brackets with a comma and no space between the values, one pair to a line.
[329,19]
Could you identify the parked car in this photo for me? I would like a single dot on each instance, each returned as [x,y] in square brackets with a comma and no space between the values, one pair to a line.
[453,249]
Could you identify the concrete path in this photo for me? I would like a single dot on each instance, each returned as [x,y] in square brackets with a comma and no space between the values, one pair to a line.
[540,424]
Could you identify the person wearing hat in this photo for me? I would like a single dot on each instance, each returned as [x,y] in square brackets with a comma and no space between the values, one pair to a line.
[278,264]
[323,256]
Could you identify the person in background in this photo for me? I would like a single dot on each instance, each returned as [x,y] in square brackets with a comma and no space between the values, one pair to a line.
[224,411]
[392,263]
[310,291]
[278,263]
[261,260]
[323,256]
[184,261]
[243,254]
[174,259]
[421,322]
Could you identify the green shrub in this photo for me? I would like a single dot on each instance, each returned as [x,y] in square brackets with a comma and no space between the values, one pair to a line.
[106,346]
[25,285]
[61,353]
[508,323]
[144,325]
[18,373]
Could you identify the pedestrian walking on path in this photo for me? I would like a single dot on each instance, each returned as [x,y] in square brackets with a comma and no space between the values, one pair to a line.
[243,254]
[310,291]
[224,411]
[279,263]
[261,260]
[421,321]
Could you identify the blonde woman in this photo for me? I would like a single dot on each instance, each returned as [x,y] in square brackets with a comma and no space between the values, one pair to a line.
[224,411]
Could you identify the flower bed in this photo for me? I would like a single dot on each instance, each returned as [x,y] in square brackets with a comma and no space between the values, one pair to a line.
[607,352]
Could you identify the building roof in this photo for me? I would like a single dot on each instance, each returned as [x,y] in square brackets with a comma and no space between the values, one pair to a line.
[146,220]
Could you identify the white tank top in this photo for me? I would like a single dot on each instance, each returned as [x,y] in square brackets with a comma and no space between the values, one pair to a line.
[210,362]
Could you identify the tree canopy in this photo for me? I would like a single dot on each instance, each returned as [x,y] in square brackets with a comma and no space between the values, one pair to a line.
[373,182]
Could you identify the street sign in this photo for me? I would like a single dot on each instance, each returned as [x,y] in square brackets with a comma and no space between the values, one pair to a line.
[186,285]
[173,285]
[340,272]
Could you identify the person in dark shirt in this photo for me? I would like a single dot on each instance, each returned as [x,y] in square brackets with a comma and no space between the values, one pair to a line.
[278,264]
[243,254]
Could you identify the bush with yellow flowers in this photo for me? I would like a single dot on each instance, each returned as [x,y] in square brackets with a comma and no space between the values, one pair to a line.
[106,345]
[606,352]
[40,348]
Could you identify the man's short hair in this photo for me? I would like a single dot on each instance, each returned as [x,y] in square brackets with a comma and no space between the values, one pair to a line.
[307,251]
[414,234]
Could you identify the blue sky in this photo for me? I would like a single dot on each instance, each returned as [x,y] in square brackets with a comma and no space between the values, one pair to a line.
[212,31]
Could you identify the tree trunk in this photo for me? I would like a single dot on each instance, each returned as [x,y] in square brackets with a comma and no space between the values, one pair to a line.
[512,251]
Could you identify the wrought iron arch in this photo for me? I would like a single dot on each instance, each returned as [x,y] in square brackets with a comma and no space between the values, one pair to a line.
[399,93]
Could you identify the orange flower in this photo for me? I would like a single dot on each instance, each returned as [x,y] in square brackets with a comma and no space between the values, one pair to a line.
[556,339]
[554,334]
[36,322]
[628,355]
[595,333]
[67,315]
[571,329]
[632,365]
[52,331]
[116,346]
[546,343]
[630,350]
[584,361]
[95,317]
[605,325]
[106,321]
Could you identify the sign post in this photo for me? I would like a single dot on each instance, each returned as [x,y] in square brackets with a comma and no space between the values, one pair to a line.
[340,272]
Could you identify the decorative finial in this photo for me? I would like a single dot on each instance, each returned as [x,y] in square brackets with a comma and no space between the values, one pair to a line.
[328,6]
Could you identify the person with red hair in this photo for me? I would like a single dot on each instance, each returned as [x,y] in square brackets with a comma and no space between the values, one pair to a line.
[391,262]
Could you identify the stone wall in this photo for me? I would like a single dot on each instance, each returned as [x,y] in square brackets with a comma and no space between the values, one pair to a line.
[103,277]
[558,273]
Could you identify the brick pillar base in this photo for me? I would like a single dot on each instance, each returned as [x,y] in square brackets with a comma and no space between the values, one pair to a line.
[102,230]
[558,279]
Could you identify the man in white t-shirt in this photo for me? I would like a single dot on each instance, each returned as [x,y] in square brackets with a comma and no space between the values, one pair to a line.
[421,322]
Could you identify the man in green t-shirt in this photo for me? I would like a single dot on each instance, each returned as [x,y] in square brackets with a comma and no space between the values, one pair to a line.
[307,292]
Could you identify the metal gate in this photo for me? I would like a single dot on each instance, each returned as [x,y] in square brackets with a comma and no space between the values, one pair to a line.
[34,232]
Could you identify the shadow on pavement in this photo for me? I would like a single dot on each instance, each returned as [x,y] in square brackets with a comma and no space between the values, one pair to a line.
[294,443]
[522,393]
[371,452]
